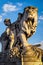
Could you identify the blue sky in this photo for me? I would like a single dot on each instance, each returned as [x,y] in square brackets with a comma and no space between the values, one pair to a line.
[11,8]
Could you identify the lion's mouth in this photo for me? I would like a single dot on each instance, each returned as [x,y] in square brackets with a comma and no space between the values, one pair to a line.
[30,19]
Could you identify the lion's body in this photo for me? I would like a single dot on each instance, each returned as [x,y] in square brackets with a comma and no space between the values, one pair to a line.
[28,24]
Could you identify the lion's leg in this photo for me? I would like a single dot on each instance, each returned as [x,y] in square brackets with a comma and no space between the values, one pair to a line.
[23,40]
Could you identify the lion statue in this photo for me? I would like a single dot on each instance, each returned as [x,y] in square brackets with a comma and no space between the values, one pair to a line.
[28,24]
[17,34]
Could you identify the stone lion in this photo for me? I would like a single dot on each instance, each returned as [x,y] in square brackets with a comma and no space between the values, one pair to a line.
[28,24]
[24,27]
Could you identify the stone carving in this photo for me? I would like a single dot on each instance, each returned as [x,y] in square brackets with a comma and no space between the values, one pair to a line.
[14,39]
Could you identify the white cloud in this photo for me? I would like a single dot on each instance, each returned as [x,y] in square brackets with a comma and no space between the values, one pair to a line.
[41,17]
[0,18]
[9,7]
[19,4]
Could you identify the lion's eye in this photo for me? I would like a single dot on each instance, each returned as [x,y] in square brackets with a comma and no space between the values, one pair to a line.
[33,8]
